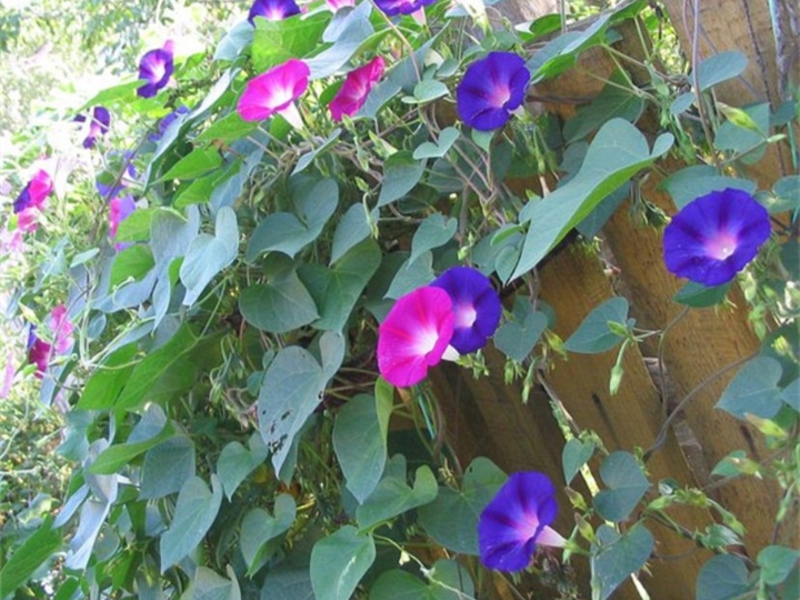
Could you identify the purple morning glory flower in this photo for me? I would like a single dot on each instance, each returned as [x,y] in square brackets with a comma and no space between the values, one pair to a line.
[401,7]
[35,192]
[155,69]
[119,209]
[517,520]
[414,335]
[101,119]
[168,120]
[272,10]
[476,307]
[714,236]
[491,88]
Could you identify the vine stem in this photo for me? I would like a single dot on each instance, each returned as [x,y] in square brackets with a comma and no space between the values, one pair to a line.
[662,434]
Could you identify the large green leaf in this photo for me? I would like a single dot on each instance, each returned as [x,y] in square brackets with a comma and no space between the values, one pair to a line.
[723,577]
[210,585]
[290,583]
[359,439]
[198,162]
[153,366]
[339,561]
[236,462]
[281,304]
[195,512]
[259,527]
[401,173]
[289,233]
[754,390]
[353,227]
[452,518]
[394,496]
[593,334]
[626,484]
[616,154]
[447,581]
[275,42]
[616,557]
[107,381]
[167,467]
[131,264]
[38,548]
[348,33]
[291,390]
[113,458]
[337,290]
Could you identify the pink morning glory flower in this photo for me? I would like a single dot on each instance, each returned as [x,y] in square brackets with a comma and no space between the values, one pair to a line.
[41,352]
[155,68]
[401,7]
[337,4]
[353,93]
[414,335]
[119,209]
[714,236]
[101,119]
[35,192]
[517,520]
[274,91]
[491,88]
[476,307]
[272,10]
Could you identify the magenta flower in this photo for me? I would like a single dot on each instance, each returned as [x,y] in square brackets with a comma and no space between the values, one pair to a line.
[713,237]
[353,93]
[414,335]
[155,69]
[119,209]
[337,4]
[274,91]
[41,352]
[272,10]
[61,327]
[35,192]
[101,120]
[491,88]
[517,520]
[476,307]
[401,7]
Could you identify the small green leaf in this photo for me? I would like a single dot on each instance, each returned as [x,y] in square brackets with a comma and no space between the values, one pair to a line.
[447,138]
[195,512]
[107,381]
[516,339]
[393,496]
[698,295]
[259,527]
[575,454]
[429,90]
[452,518]
[198,162]
[594,334]
[723,577]
[275,42]
[791,395]
[229,128]
[776,563]
[754,390]
[615,558]
[113,458]
[411,275]
[721,67]
[132,263]
[236,462]
[623,475]
[281,304]
[339,561]
[167,467]
[401,174]
[353,227]
[434,231]
[209,585]
[692,182]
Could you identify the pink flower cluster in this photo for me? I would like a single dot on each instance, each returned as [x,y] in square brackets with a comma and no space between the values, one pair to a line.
[458,310]
[275,91]
[40,352]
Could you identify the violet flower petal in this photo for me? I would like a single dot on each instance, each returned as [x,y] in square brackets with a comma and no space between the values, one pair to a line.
[476,307]
[713,237]
[414,335]
[155,68]
[516,520]
[272,10]
[357,85]
[273,91]
[34,194]
[401,7]
[491,88]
